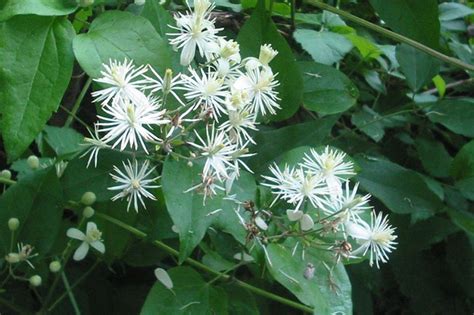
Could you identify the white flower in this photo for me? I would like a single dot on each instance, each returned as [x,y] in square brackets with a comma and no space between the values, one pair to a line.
[25,253]
[260,85]
[206,89]
[218,150]
[93,237]
[378,238]
[121,79]
[167,84]
[195,30]
[267,53]
[294,186]
[209,187]
[128,121]
[331,165]
[133,183]
[348,205]
[239,122]
[95,144]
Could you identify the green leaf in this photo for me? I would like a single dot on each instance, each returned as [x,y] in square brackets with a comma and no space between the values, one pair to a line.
[259,30]
[190,216]
[463,219]
[324,47]
[241,301]
[64,141]
[456,115]
[327,293]
[272,143]
[11,8]
[462,170]
[449,11]
[367,121]
[190,295]
[36,200]
[372,78]
[434,157]
[326,90]
[366,48]
[400,189]
[418,67]
[440,85]
[77,178]
[36,68]
[119,35]
[417,19]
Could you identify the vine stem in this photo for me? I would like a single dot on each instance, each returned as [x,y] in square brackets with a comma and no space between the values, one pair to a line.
[392,35]
[205,268]
[69,292]
[7,181]
[78,102]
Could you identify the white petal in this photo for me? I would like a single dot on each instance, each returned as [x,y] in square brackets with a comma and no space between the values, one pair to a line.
[81,251]
[356,230]
[164,278]
[99,246]
[261,223]
[91,226]
[75,234]
[246,257]
[306,222]
[294,215]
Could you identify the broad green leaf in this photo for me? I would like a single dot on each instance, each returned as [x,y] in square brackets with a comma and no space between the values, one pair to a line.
[440,85]
[366,48]
[115,238]
[324,47]
[462,170]
[372,78]
[400,189]
[326,90]
[417,19]
[434,157]
[190,295]
[418,67]
[119,35]
[36,68]
[327,293]
[273,143]
[449,11]
[259,30]
[190,215]
[64,141]
[241,301]
[78,178]
[463,219]
[9,8]
[456,115]
[36,200]
[368,121]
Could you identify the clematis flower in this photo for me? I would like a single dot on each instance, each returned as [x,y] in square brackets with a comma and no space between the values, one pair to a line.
[92,238]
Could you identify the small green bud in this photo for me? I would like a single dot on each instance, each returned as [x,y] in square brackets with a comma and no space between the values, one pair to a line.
[88,212]
[85,3]
[35,281]
[6,174]
[33,162]
[12,258]
[54,266]
[13,224]
[88,198]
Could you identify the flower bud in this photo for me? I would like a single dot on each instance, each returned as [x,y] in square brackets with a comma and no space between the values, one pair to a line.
[88,212]
[13,224]
[167,81]
[88,198]
[306,222]
[190,164]
[85,3]
[35,281]
[54,266]
[6,174]
[140,2]
[267,53]
[12,258]
[33,162]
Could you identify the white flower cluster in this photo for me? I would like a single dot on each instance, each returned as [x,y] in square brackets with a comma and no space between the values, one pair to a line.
[226,93]
[321,180]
